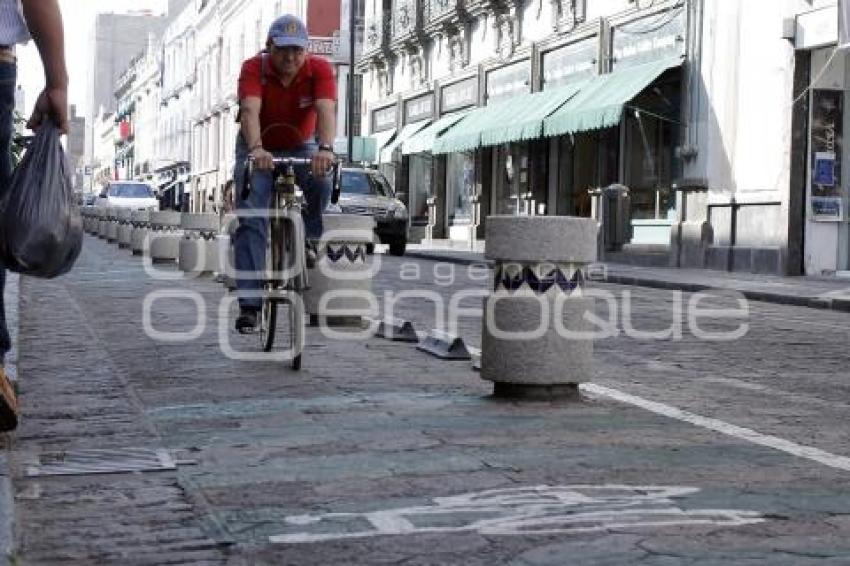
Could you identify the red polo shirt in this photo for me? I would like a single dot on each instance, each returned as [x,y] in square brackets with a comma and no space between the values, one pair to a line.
[288,114]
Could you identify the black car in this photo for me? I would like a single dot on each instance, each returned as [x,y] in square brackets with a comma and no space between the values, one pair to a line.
[367,192]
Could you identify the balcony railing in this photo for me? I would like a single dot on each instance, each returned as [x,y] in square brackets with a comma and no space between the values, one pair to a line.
[434,11]
[406,18]
[377,32]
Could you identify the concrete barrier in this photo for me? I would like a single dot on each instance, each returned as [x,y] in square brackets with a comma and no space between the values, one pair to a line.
[198,251]
[164,236]
[103,222]
[226,272]
[125,229]
[112,226]
[535,336]
[342,275]
[140,222]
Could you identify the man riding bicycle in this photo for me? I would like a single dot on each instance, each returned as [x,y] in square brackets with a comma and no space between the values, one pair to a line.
[287,101]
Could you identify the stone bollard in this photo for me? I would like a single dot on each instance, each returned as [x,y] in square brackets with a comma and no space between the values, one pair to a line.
[226,256]
[198,247]
[103,222]
[85,212]
[535,336]
[164,236]
[112,226]
[125,229]
[92,220]
[140,222]
[343,269]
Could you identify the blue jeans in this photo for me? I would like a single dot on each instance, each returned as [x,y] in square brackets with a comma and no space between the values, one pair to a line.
[8,78]
[252,233]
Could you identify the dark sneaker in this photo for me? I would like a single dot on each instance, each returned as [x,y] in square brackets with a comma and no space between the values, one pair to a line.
[8,404]
[246,322]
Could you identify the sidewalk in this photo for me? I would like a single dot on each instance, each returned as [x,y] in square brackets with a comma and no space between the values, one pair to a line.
[11,301]
[812,292]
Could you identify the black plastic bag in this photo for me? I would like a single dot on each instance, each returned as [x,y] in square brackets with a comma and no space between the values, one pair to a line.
[41,231]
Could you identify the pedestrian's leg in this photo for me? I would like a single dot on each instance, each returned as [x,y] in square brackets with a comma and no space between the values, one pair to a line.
[8,78]
[317,193]
[8,399]
[251,235]
[5,339]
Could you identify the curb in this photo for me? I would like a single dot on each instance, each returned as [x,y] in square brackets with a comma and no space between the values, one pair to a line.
[12,302]
[812,302]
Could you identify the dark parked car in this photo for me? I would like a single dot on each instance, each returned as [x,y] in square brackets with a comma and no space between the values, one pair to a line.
[367,192]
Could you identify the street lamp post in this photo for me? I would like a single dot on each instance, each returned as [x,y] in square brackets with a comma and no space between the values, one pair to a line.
[352,15]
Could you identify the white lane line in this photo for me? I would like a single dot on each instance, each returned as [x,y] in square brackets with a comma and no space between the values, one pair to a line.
[774,442]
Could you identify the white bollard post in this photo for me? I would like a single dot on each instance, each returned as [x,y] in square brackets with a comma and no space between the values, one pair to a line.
[198,252]
[165,236]
[343,271]
[140,222]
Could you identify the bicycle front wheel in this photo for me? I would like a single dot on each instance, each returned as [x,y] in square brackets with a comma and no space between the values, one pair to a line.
[297,330]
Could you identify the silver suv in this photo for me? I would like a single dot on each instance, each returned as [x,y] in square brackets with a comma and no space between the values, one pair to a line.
[367,192]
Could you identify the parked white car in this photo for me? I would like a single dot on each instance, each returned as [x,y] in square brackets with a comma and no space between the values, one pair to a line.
[128,194]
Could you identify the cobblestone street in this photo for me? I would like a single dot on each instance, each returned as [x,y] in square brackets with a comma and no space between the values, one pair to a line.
[376,453]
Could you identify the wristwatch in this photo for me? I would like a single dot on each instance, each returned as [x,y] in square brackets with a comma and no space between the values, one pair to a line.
[326,147]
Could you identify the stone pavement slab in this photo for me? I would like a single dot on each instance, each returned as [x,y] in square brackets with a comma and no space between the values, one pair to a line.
[377,453]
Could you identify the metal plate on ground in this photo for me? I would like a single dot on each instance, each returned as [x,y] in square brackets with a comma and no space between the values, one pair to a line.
[103,461]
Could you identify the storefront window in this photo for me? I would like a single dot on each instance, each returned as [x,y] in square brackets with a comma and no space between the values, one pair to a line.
[460,186]
[389,171]
[419,186]
[512,178]
[651,136]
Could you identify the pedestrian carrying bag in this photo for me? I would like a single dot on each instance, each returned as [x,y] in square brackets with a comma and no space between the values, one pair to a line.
[41,231]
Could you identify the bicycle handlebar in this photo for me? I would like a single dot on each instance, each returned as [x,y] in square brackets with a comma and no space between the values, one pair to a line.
[293,161]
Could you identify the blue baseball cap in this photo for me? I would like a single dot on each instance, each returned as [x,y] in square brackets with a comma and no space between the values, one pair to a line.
[288,31]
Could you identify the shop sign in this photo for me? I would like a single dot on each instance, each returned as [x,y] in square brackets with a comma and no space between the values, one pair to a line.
[419,108]
[459,95]
[818,28]
[827,121]
[508,81]
[326,46]
[384,119]
[646,40]
[569,63]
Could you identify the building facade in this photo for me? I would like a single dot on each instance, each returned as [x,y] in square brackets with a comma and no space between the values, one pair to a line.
[116,40]
[529,106]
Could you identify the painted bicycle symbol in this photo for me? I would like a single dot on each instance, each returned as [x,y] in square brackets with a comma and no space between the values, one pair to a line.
[539,510]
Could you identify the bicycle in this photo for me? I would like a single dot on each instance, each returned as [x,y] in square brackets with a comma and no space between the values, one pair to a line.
[286,276]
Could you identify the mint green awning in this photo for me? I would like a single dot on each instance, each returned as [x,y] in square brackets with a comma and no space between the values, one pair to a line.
[601,101]
[381,140]
[517,119]
[405,133]
[522,117]
[424,140]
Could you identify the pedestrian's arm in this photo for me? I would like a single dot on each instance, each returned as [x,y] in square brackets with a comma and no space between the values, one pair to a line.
[44,20]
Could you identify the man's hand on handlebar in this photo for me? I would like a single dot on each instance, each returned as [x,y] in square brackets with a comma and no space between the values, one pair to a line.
[263,159]
[323,160]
